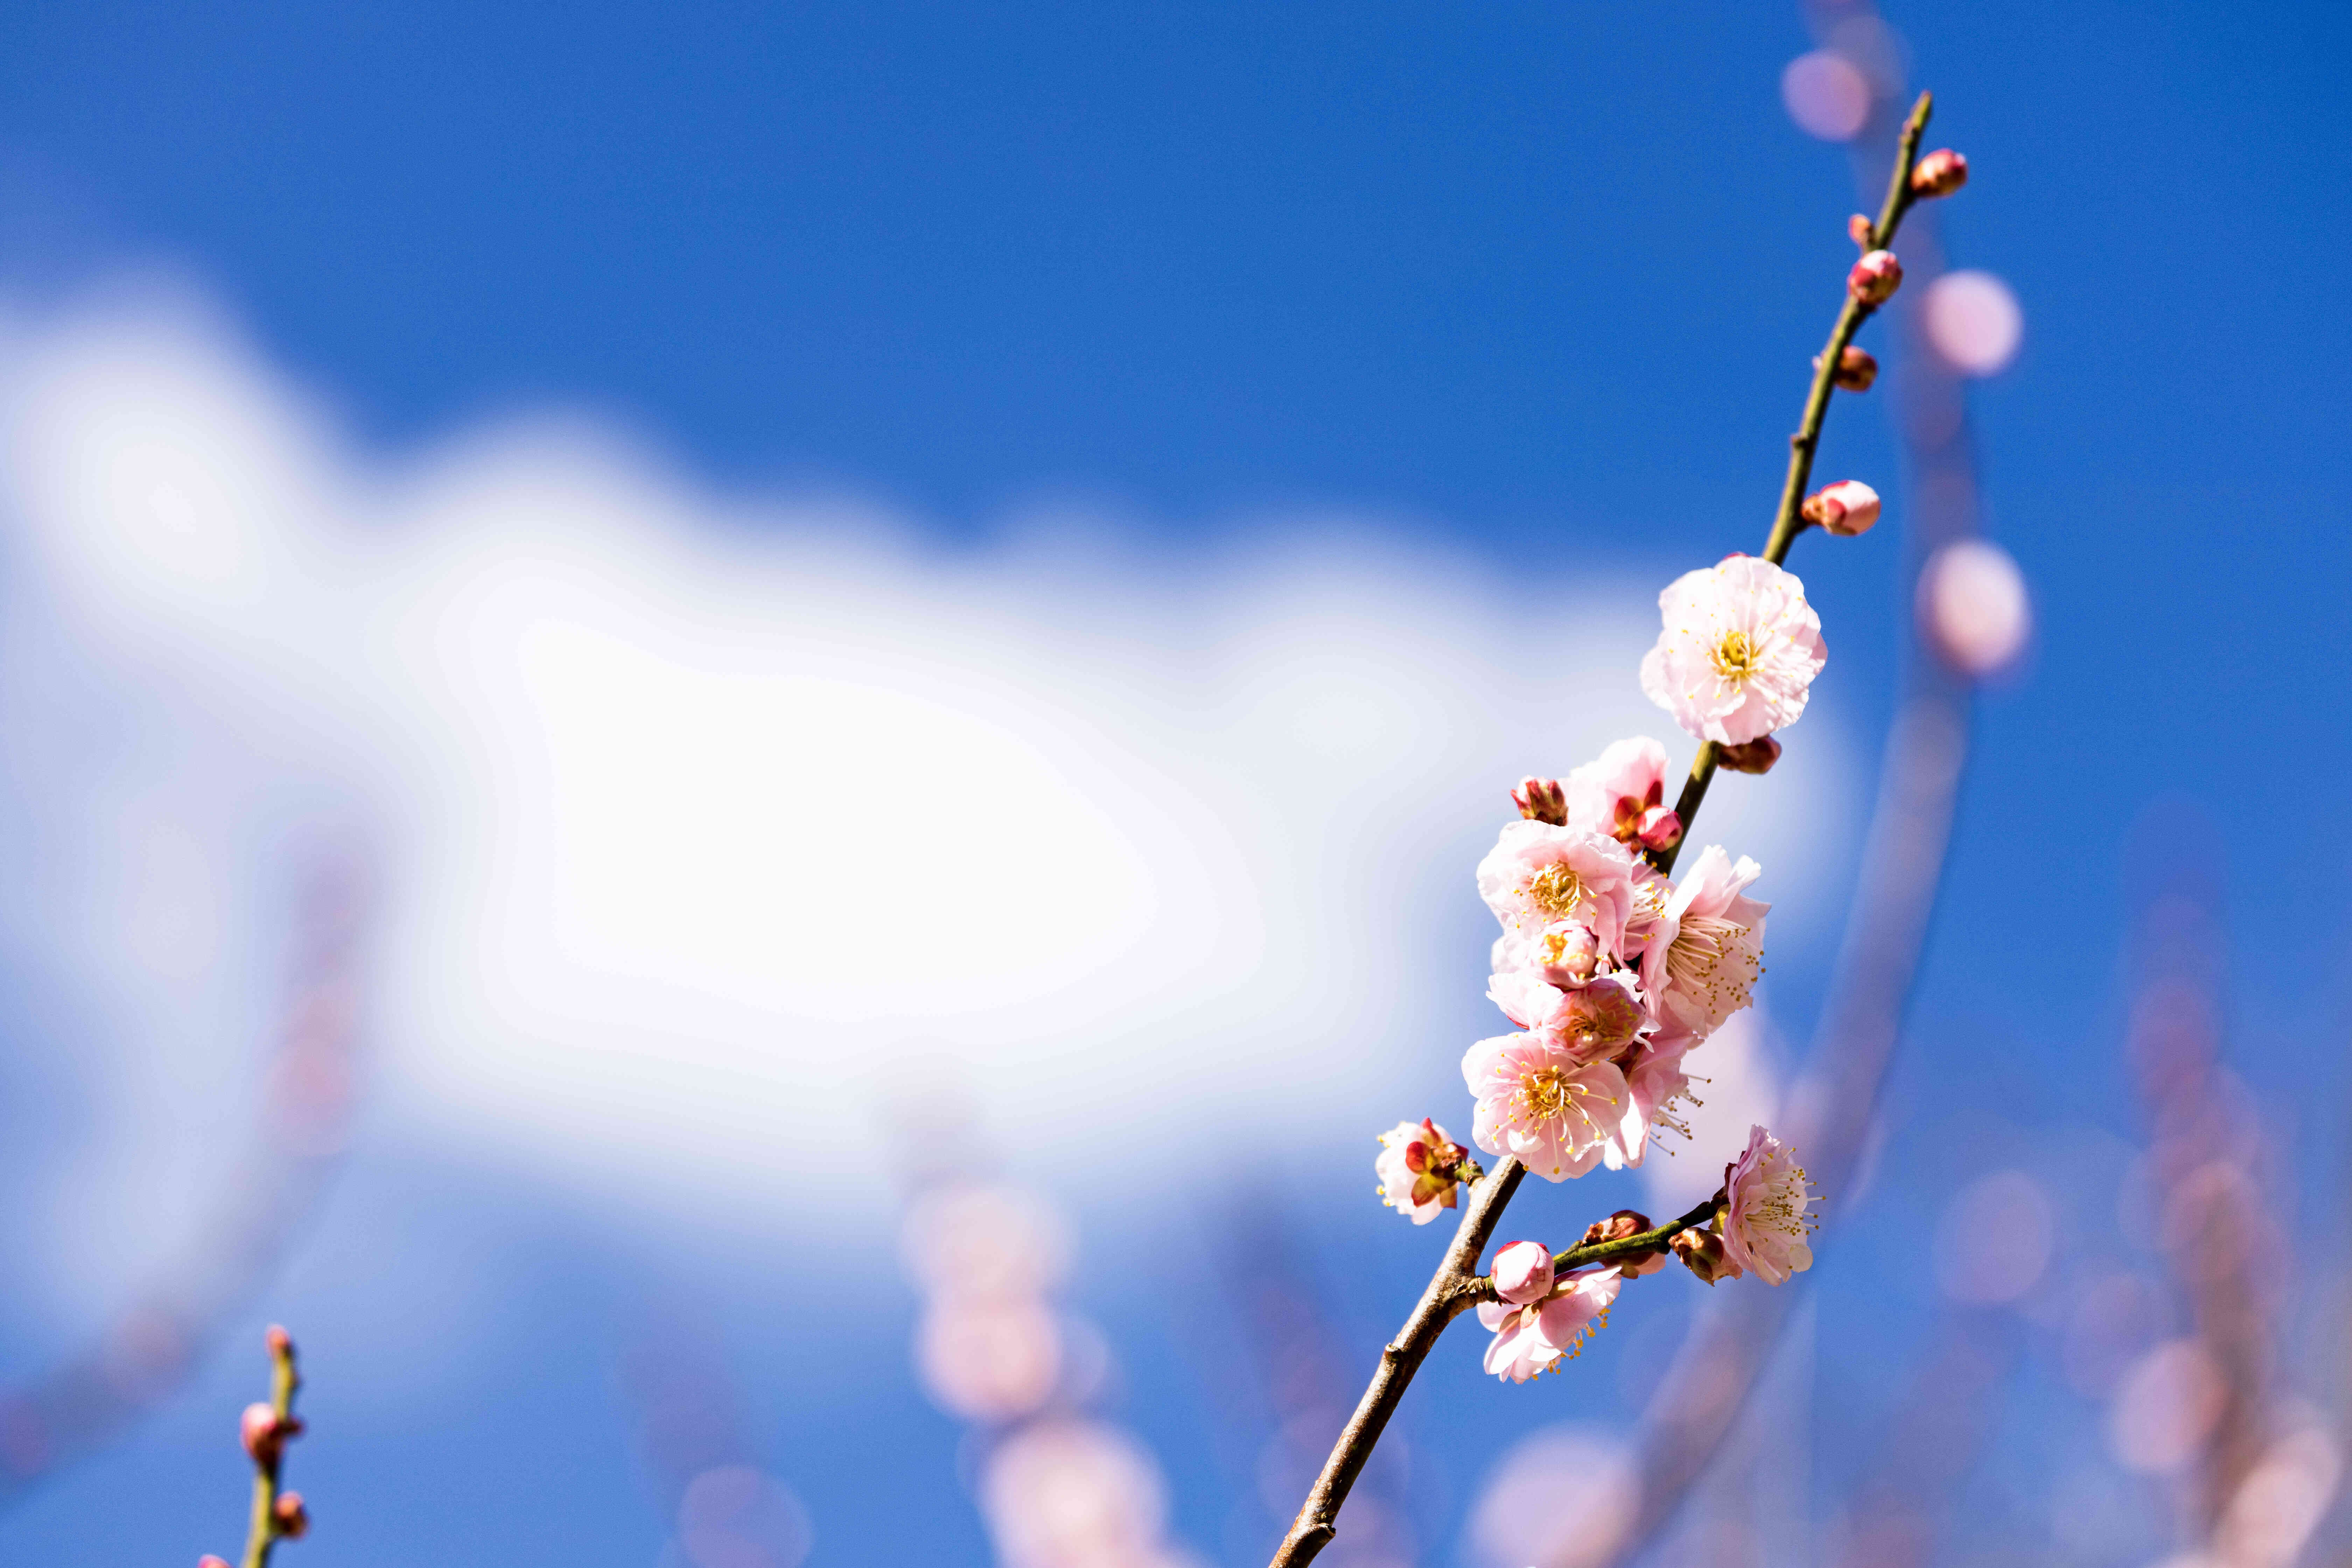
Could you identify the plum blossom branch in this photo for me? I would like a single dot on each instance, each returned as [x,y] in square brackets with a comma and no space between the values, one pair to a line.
[1862,297]
[266,1428]
[1611,971]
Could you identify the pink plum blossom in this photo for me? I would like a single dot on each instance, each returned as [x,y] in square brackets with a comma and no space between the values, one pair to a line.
[1544,1104]
[1523,1271]
[1421,1170]
[1610,793]
[1738,649]
[1595,1020]
[1659,1087]
[1538,874]
[1530,1337]
[1701,960]
[1765,1224]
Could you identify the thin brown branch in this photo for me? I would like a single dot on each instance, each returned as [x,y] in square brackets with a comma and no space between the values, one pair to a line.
[1657,1239]
[1789,521]
[1454,1288]
[1317,1521]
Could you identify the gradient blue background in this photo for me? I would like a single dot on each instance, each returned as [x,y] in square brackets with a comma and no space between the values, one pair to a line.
[1534,280]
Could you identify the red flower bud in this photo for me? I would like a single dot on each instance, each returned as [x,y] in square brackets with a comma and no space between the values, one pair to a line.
[1855,370]
[1541,800]
[263,1432]
[293,1520]
[1847,508]
[1875,278]
[1939,174]
[1755,757]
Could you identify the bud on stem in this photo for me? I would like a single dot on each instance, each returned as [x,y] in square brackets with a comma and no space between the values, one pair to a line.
[1939,174]
[1874,278]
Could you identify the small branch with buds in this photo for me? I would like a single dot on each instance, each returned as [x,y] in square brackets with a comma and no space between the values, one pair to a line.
[1581,988]
[265,1429]
[1871,282]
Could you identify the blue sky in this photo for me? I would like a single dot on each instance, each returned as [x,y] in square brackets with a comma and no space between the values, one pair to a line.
[1525,293]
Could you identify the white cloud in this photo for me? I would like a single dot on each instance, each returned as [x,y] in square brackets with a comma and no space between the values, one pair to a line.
[702,817]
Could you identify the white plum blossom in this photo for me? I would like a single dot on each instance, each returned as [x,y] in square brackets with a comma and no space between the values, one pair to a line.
[1765,1225]
[1421,1170]
[1739,649]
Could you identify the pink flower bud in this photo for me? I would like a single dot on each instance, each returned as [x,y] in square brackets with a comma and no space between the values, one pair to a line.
[1847,508]
[1939,174]
[263,1432]
[209,1560]
[1661,829]
[278,1342]
[1523,1273]
[1755,757]
[1856,370]
[293,1520]
[1702,1253]
[1875,278]
[1616,1227]
[1541,800]
[1857,229]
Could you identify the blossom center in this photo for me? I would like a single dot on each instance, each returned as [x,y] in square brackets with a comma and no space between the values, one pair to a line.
[1736,656]
[1695,962]
[1556,891]
[1550,1094]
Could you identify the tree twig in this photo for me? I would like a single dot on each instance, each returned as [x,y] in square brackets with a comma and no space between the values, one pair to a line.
[1789,521]
[1454,1289]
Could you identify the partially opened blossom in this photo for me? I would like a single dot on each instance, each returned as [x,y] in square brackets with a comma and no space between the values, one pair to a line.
[1531,1338]
[1599,1019]
[1540,799]
[1659,1087]
[1542,1103]
[1739,649]
[1765,1225]
[1706,968]
[1610,793]
[1421,1170]
[1538,874]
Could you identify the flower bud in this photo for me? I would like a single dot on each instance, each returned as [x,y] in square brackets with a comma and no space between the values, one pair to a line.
[209,1560]
[293,1520]
[1757,757]
[1857,369]
[1616,1227]
[1847,508]
[1875,278]
[263,1432]
[1939,174]
[1541,800]
[1702,1253]
[1661,829]
[1523,1273]
[1857,229]
[278,1343]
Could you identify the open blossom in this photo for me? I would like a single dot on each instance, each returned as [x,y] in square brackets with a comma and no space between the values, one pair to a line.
[1739,649]
[1538,875]
[1765,1225]
[1701,962]
[1531,1336]
[1543,1103]
[1421,1170]
[1660,1087]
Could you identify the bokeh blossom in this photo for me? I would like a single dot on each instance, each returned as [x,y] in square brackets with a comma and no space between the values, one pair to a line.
[1739,649]
[1765,1225]
[1532,1336]
[1421,1169]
